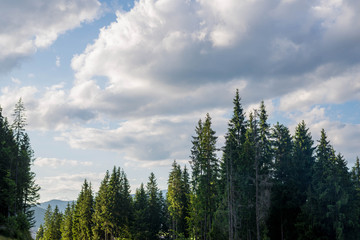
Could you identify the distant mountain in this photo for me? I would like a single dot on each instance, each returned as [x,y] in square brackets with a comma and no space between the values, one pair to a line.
[53,203]
[39,212]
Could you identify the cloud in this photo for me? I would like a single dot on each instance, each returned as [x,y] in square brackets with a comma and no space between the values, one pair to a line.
[28,25]
[330,84]
[162,65]
[66,185]
[162,47]
[54,162]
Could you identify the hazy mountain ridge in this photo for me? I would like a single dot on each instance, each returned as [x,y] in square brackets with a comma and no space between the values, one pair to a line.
[39,212]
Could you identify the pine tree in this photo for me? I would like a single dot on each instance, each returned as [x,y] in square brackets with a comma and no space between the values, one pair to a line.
[263,168]
[185,202]
[178,201]
[329,209]
[141,224]
[26,188]
[205,178]
[82,221]
[154,207]
[355,174]
[52,224]
[281,220]
[102,213]
[67,223]
[233,176]
[8,150]
[40,233]
[174,200]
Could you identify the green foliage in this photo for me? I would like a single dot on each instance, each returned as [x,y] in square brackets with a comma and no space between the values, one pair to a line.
[205,179]
[141,226]
[67,223]
[269,185]
[178,201]
[82,219]
[18,190]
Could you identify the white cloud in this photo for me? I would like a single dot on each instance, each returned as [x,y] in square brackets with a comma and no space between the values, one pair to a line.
[162,65]
[54,162]
[28,25]
[67,186]
[329,85]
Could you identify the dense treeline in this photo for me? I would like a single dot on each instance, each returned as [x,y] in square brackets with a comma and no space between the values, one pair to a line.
[267,185]
[18,190]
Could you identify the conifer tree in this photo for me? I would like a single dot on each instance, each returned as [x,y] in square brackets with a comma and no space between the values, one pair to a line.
[174,200]
[329,209]
[263,168]
[141,224]
[20,167]
[355,174]
[205,179]
[67,223]
[178,201]
[281,222]
[102,213]
[154,207]
[185,202]
[82,221]
[233,176]
[40,233]
[8,150]
[52,224]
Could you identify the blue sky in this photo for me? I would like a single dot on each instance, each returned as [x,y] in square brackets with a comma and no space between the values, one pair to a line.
[124,83]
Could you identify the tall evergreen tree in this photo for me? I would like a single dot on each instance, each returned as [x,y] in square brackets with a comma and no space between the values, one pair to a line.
[26,188]
[329,209]
[18,190]
[355,174]
[40,233]
[8,150]
[263,168]
[233,176]
[82,221]
[281,221]
[178,201]
[174,200]
[67,223]
[52,224]
[141,223]
[154,207]
[205,166]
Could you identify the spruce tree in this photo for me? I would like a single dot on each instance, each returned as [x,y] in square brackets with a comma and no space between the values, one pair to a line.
[205,166]
[263,168]
[40,233]
[102,213]
[234,169]
[283,210]
[67,223]
[178,201]
[154,207]
[26,190]
[82,221]
[174,200]
[329,209]
[141,224]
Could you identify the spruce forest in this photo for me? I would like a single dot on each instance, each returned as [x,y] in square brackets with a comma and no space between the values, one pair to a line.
[267,184]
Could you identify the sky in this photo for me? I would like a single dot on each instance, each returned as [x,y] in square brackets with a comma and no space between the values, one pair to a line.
[123,83]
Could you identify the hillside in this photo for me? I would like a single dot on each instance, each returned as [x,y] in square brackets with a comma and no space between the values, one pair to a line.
[39,212]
